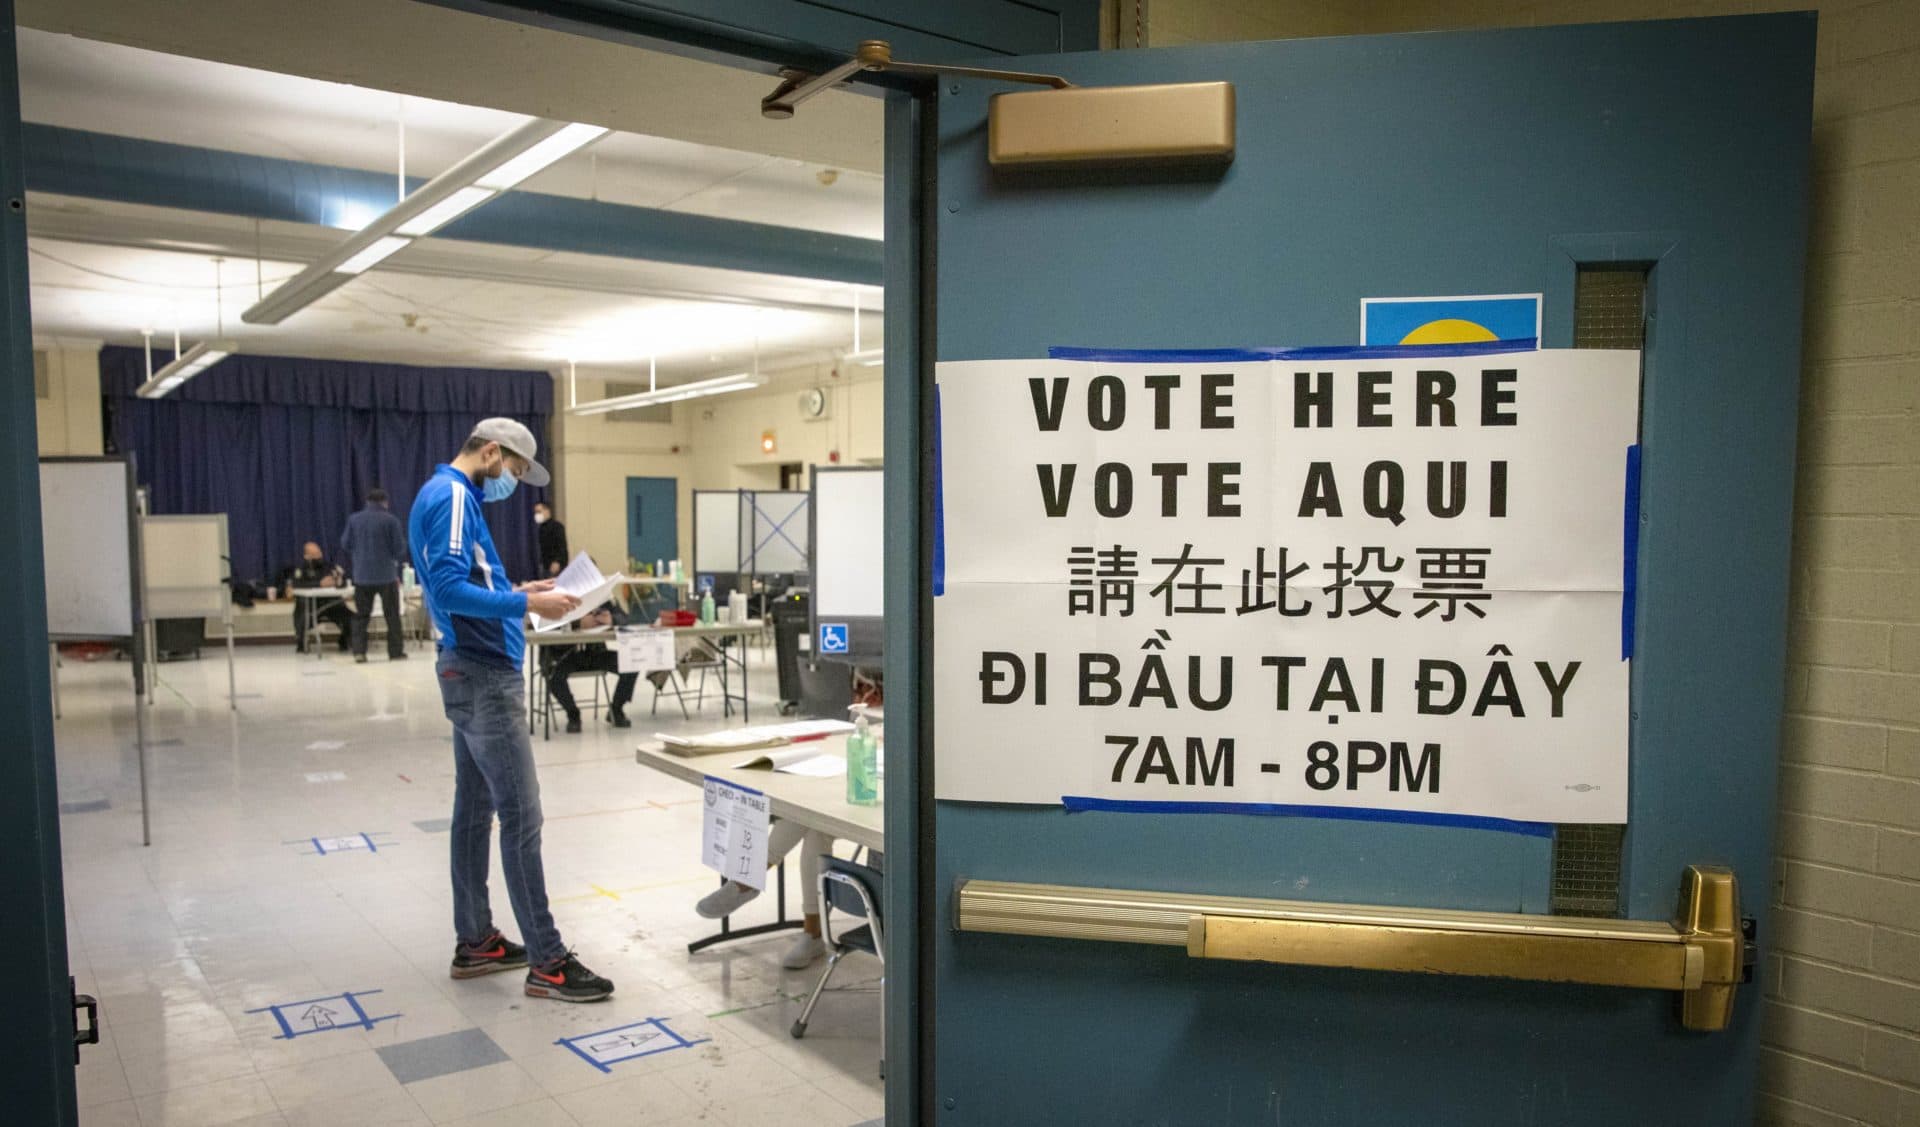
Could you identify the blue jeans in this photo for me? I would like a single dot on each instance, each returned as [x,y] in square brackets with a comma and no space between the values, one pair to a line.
[494,774]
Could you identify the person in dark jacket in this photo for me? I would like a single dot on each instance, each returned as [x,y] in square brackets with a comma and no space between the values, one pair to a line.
[313,570]
[376,547]
[592,657]
[553,539]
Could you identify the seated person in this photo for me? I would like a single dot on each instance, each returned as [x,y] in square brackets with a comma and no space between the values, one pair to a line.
[313,570]
[592,657]
[781,838]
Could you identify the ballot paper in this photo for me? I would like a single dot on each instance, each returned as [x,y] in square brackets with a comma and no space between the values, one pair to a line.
[583,581]
[816,767]
[643,649]
[800,759]
[733,838]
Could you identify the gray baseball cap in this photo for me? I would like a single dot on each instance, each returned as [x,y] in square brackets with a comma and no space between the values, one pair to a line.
[514,436]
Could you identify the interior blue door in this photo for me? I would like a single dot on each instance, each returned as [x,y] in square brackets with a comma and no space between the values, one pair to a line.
[1471,163]
[653,519]
[37,1039]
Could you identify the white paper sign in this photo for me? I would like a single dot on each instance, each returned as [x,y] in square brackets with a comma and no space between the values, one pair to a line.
[1378,584]
[733,841]
[643,649]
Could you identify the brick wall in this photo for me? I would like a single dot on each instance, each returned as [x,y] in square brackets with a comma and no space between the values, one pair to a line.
[1843,985]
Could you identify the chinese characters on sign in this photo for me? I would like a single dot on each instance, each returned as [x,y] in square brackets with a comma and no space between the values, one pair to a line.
[1391,584]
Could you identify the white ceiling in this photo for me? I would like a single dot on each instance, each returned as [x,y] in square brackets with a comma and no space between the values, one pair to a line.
[81,84]
[105,271]
[432,50]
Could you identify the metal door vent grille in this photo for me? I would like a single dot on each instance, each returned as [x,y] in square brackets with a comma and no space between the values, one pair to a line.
[1586,869]
[1609,311]
[1609,307]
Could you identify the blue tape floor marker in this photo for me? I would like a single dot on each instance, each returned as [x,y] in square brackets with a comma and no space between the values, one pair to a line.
[316,1016]
[607,1041]
[346,843]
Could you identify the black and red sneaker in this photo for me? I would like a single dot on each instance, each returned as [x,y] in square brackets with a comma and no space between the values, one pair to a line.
[491,955]
[566,979]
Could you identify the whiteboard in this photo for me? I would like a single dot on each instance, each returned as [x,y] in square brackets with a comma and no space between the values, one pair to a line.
[779,531]
[186,567]
[849,553]
[716,531]
[86,522]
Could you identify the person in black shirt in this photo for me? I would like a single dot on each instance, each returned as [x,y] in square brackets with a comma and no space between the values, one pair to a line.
[376,549]
[313,570]
[553,539]
[592,657]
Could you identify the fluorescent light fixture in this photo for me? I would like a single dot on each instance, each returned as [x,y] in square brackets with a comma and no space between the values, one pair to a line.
[561,144]
[444,212]
[480,176]
[379,249]
[184,367]
[866,357]
[719,385]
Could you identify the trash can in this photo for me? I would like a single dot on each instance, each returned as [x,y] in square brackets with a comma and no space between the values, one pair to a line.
[791,615]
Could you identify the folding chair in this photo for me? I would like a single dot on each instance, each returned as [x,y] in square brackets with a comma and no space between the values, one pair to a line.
[672,684]
[854,889]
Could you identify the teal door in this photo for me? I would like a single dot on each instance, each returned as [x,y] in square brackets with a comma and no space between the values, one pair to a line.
[38,1036]
[1539,161]
[653,519]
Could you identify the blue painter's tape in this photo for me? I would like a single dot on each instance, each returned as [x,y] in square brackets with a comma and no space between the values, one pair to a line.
[1077,804]
[1162,355]
[1630,552]
[1331,352]
[939,507]
[318,1017]
[609,1047]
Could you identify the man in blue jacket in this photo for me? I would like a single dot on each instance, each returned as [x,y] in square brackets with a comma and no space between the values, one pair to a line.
[376,547]
[477,614]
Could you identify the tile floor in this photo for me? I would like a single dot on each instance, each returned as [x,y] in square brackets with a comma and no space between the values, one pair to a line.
[235,909]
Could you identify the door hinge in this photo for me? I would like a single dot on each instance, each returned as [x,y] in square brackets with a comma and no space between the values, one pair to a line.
[90,1035]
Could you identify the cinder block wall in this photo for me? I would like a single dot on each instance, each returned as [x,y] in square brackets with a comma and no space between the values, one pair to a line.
[1843,986]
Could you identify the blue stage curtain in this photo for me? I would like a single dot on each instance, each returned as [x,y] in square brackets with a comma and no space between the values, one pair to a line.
[288,447]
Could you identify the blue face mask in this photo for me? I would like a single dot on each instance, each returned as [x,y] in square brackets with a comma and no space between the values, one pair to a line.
[500,488]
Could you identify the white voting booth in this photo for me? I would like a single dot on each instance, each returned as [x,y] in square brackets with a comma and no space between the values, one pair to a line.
[90,533]
[186,573]
[748,533]
[848,584]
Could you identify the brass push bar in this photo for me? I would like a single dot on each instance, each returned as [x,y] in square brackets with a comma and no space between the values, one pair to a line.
[1701,955]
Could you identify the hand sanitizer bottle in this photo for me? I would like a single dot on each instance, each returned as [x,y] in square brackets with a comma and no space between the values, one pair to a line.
[863,766]
[706,606]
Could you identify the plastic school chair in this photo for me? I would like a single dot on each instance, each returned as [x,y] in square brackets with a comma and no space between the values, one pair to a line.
[852,889]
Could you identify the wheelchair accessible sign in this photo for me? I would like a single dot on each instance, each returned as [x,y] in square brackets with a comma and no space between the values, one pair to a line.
[833,637]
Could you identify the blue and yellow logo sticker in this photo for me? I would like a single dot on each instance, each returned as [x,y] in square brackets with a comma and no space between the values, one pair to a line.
[1512,318]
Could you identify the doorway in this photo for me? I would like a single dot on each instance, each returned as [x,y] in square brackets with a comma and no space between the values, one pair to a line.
[653,520]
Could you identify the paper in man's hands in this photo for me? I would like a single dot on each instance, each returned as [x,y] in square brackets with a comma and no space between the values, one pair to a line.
[582,580]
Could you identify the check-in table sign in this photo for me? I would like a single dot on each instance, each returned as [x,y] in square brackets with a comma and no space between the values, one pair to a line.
[1365,586]
[733,838]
